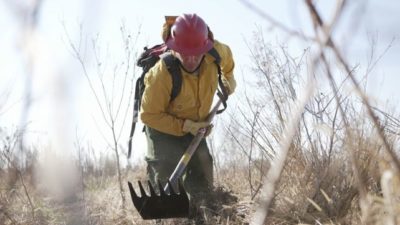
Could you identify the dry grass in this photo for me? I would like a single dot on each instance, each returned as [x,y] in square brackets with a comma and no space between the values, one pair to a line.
[310,191]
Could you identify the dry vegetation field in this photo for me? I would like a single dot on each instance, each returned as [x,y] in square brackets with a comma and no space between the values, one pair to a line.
[313,189]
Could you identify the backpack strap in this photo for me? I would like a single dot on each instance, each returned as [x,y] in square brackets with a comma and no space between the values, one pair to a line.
[223,93]
[172,64]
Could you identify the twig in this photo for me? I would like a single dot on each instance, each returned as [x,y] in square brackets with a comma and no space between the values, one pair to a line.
[274,173]
[329,42]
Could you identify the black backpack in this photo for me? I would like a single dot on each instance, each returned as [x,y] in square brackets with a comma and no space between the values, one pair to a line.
[147,60]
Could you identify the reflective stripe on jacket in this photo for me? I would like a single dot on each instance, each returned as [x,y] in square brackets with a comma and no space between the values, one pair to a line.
[195,99]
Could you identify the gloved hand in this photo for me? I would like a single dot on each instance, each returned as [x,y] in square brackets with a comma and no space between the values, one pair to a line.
[193,127]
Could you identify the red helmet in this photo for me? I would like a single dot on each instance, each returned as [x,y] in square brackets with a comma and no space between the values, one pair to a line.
[189,35]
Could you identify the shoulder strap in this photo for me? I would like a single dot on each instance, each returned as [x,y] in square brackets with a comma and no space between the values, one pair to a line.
[223,93]
[173,68]
[213,52]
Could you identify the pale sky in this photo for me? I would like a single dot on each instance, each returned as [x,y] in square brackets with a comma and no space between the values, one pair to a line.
[57,75]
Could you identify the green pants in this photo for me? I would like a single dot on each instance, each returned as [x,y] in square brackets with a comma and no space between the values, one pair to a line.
[163,154]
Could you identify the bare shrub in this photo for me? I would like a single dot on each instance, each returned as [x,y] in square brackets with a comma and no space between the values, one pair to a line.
[318,181]
[113,101]
[334,166]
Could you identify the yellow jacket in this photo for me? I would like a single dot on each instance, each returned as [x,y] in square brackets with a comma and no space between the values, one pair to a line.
[195,99]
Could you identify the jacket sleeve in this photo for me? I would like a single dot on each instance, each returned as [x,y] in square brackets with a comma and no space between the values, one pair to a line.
[227,65]
[156,99]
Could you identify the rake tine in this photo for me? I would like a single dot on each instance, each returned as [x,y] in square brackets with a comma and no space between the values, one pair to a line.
[142,192]
[171,188]
[162,192]
[152,192]
[133,193]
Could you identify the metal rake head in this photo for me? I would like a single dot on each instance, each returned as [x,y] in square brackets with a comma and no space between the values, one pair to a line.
[170,204]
